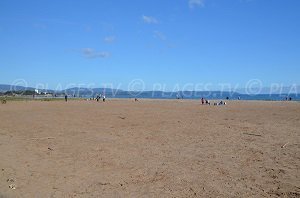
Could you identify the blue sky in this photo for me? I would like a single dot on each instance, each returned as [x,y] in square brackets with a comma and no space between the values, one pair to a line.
[172,42]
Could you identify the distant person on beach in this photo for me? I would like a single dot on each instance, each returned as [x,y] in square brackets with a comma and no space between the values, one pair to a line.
[66,98]
[207,102]
[222,103]
[202,101]
[103,98]
[290,99]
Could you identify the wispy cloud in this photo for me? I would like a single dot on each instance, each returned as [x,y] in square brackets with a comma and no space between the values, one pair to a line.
[149,19]
[109,39]
[159,35]
[107,27]
[91,53]
[196,3]
[163,39]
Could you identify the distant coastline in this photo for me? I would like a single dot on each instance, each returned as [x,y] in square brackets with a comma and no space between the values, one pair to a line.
[259,97]
[29,92]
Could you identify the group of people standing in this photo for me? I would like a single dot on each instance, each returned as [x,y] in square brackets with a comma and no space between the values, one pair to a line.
[205,101]
[99,97]
[288,98]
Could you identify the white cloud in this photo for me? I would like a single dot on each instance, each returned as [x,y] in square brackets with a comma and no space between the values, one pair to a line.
[196,3]
[91,53]
[149,19]
[109,39]
[163,39]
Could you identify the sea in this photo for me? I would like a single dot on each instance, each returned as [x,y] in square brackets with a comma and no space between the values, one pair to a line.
[195,96]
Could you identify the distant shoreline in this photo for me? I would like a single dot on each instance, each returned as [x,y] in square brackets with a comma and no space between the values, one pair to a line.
[45,98]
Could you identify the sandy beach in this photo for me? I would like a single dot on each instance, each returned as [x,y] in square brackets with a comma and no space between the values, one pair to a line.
[149,148]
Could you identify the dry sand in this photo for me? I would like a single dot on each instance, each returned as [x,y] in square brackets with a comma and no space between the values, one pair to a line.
[150,148]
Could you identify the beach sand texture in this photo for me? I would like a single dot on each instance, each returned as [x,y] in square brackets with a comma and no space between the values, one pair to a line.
[149,148]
